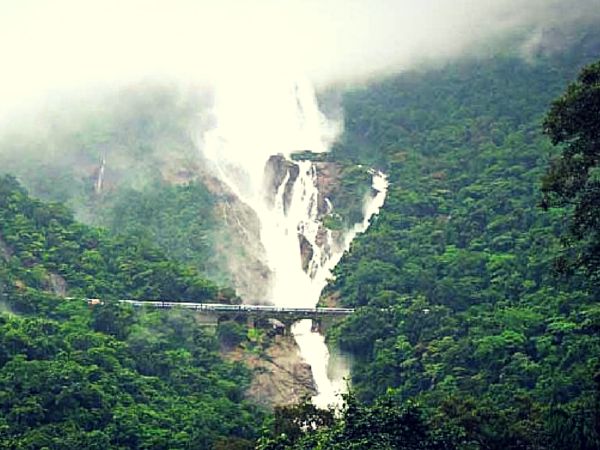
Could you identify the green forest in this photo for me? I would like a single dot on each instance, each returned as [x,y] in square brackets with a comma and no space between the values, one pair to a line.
[74,376]
[143,134]
[476,287]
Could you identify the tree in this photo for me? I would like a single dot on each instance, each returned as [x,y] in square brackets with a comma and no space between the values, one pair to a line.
[385,425]
[573,178]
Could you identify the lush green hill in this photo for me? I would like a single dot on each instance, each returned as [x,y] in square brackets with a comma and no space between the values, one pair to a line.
[143,137]
[176,218]
[43,242]
[74,377]
[476,323]
[461,308]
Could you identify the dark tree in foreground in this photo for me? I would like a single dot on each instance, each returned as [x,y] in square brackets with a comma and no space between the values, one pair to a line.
[385,425]
[573,178]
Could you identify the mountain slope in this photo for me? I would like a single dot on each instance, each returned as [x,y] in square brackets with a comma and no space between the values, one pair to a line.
[475,321]
[75,377]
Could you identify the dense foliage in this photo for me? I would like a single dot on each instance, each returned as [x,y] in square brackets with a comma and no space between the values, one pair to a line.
[143,143]
[47,244]
[574,178]
[385,425]
[177,219]
[459,302]
[74,377]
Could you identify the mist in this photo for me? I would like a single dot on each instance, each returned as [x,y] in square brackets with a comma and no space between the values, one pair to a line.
[254,67]
[78,47]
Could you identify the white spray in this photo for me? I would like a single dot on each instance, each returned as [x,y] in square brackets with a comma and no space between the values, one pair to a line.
[254,122]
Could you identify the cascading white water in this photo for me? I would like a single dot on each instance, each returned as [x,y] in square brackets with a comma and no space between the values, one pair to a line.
[371,207]
[254,123]
[312,345]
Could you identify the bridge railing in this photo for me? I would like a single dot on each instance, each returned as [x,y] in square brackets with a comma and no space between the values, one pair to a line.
[242,309]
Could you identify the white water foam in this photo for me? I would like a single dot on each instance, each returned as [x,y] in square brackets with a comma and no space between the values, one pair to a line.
[252,124]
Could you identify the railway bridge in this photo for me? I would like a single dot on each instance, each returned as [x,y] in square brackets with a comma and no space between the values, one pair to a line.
[254,314]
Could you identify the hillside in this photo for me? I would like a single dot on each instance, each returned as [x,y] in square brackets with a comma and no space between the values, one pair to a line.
[116,158]
[473,328]
[74,377]
[461,305]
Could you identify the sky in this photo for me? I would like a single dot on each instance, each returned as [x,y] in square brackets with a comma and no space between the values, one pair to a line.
[57,46]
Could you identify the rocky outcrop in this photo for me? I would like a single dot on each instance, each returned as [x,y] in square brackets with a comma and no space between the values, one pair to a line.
[281,377]
[306,251]
[238,249]
[328,181]
[57,284]
[240,252]
[276,170]
[278,167]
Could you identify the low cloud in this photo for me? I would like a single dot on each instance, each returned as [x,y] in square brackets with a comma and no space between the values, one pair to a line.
[81,46]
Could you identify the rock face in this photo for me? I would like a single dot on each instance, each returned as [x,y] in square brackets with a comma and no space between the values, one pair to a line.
[280,375]
[278,167]
[237,243]
[276,170]
[57,284]
[279,170]
[240,251]
[328,181]
[306,251]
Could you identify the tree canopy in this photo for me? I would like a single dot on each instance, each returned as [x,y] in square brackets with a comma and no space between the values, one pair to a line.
[459,303]
[75,377]
[573,179]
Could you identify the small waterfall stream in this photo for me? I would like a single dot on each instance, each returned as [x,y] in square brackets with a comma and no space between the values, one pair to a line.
[252,127]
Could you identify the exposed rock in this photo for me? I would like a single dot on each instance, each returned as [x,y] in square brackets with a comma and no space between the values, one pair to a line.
[238,249]
[328,181]
[57,284]
[280,375]
[182,173]
[306,251]
[330,300]
[276,169]
[321,238]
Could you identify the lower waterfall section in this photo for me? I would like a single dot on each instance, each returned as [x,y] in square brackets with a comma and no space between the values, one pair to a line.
[301,252]
[251,125]
[330,384]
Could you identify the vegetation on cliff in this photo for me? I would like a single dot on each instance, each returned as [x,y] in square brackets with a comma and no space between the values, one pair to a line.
[46,243]
[177,219]
[460,305]
[128,164]
[74,377]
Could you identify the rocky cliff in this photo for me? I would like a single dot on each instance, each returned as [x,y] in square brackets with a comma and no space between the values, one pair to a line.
[280,375]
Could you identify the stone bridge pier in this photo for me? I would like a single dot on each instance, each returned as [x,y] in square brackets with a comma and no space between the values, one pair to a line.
[283,325]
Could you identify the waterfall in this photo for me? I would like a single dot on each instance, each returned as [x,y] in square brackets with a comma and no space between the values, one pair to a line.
[256,129]
[100,179]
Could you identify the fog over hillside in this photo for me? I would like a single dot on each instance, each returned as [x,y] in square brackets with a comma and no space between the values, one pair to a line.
[428,168]
[81,46]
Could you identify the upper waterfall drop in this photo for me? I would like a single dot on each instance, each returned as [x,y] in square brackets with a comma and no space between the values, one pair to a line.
[255,120]
[253,125]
